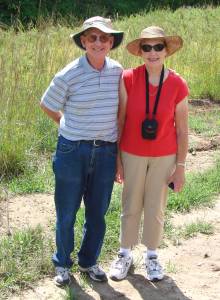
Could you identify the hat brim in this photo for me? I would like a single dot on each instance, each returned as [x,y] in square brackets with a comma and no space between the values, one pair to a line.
[118,36]
[173,44]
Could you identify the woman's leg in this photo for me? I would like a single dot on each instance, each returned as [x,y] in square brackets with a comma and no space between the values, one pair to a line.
[135,169]
[155,200]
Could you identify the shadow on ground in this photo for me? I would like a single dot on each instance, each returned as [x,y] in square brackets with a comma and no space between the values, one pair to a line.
[135,287]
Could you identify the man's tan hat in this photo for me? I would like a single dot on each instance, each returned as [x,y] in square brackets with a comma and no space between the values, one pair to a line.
[173,43]
[105,25]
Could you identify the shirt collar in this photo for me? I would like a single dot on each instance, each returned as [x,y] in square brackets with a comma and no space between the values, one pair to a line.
[88,68]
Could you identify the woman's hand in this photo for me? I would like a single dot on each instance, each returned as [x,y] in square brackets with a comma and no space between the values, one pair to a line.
[181,123]
[119,177]
[178,178]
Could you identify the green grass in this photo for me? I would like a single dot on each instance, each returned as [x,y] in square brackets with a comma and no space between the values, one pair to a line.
[187,231]
[205,121]
[24,258]
[200,189]
[171,267]
[38,178]
[29,60]
[192,229]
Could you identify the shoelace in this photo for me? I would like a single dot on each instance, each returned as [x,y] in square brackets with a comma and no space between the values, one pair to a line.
[96,269]
[63,272]
[154,265]
[120,262]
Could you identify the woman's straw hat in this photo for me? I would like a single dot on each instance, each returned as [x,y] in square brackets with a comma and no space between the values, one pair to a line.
[173,43]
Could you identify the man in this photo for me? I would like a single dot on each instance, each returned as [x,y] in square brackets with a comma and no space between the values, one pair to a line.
[83,100]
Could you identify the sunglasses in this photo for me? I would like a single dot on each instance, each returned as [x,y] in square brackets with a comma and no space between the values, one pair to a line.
[103,38]
[148,48]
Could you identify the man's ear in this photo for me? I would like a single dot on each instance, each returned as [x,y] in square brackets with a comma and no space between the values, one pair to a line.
[82,39]
[112,41]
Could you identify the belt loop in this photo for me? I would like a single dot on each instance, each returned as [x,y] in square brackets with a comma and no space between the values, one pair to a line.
[94,143]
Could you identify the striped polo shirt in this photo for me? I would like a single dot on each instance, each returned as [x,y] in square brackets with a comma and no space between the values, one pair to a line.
[88,99]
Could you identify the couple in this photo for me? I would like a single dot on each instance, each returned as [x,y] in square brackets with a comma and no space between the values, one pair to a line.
[150,127]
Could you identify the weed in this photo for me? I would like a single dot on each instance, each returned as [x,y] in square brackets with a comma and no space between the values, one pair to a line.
[24,258]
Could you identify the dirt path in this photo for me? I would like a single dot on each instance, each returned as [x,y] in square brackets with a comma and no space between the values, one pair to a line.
[193,272]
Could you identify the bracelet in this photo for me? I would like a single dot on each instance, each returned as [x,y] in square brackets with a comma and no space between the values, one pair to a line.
[182,164]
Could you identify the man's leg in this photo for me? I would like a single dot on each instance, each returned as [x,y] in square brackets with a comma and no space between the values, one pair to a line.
[97,198]
[69,182]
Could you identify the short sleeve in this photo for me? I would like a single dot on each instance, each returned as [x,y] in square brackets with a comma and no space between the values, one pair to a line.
[183,90]
[127,76]
[55,96]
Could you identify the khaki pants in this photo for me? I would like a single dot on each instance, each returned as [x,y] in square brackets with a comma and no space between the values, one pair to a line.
[145,190]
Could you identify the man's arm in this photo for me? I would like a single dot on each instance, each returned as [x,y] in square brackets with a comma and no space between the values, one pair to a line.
[54,115]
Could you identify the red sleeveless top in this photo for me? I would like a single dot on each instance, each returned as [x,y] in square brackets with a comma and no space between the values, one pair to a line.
[173,91]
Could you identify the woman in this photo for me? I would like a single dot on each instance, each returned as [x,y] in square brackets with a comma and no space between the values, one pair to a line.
[153,134]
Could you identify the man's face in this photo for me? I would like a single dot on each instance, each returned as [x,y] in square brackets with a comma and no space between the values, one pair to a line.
[96,43]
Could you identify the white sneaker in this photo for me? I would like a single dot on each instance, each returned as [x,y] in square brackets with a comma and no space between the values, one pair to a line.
[62,276]
[154,271]
[120,267]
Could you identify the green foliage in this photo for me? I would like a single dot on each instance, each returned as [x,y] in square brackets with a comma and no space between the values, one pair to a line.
[29,60]
[25,12]
[199,190]
[192,229]
[204,121]
[38,178]
[186,231]
[24,257]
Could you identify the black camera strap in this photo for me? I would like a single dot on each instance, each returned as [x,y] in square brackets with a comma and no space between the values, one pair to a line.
[158,92]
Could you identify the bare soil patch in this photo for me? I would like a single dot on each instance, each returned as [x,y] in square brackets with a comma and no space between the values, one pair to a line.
[193,272]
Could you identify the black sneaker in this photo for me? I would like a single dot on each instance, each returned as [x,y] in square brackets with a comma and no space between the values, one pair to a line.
[95,273]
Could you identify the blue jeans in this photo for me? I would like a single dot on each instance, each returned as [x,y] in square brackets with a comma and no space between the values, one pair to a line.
[82,171]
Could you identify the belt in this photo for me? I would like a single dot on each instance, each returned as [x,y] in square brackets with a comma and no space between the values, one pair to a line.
[96,143]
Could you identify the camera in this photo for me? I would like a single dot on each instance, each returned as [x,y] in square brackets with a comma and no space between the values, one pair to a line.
[171,185]
[149,129]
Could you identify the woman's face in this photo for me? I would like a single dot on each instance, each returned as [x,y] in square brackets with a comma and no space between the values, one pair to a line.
[153,52]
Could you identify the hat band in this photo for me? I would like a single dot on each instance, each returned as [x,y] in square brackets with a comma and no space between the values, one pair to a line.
[96,23]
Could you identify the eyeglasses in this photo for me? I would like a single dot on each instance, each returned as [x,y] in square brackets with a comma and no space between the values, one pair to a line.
[103,38]
[148,48]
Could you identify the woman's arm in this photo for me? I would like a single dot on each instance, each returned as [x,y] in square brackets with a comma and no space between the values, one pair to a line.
[121,120]
[181,123]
